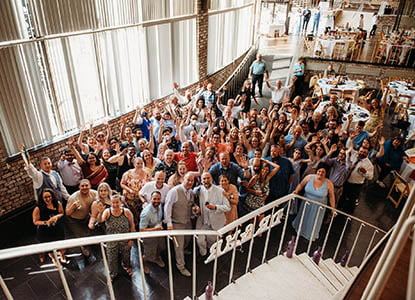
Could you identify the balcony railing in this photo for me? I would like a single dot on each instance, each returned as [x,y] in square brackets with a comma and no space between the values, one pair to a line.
[234,235]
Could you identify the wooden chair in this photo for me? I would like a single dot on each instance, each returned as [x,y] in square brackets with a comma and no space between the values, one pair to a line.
[380,52]
[400,186]
[350,96]
[337,92]
[355,50]
[394,55]
[405,100]
[339,51]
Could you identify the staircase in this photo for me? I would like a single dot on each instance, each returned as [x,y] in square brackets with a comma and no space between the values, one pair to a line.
[295,278]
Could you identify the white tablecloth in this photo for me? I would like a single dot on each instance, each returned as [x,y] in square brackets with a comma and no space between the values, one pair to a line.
[402,89]
[408,168]
[328,46]
[350,85]
[359,113]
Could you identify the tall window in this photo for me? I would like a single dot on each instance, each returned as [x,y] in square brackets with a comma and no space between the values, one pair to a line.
[74,77]
[230,32]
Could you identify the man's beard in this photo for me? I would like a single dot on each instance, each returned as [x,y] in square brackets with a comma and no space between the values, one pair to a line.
[207,185]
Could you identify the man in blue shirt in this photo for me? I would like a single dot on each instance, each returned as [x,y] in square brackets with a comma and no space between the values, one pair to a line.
[257,71]
[280,183]
[228,168]
[150,220]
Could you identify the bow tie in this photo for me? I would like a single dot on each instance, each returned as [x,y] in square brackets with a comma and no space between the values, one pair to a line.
[71,163]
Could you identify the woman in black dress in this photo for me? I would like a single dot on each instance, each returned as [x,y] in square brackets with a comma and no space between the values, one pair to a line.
[245,96]
[47,216]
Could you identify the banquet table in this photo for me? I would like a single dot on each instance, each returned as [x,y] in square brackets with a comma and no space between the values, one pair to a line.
[408,168]
[350,85]
[329,43]
[403,88]
[359,113]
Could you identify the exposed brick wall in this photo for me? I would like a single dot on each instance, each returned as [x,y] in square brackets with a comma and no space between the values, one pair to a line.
[16,188]
[202,26]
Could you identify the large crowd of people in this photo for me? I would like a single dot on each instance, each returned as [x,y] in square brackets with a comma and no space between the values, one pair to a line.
[203,159]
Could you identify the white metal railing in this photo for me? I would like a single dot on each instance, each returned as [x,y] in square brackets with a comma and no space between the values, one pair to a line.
[234,235]
[402,230]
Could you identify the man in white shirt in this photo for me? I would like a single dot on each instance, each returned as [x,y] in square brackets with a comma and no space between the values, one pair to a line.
[235,109]
[46,178]
[360,168]
[156,185]
[213,205]
[278,92]
[70,171]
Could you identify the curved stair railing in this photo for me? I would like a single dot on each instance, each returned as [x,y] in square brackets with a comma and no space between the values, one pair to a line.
[270,220]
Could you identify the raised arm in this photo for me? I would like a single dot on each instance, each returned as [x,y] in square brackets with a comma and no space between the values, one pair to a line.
[276,168]
[71,145]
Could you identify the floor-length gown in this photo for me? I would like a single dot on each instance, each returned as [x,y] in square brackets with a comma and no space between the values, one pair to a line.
[310,215]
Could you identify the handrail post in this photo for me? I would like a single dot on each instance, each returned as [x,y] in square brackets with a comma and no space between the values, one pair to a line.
[62,275]
[354,244]
[233,256]
[140,257]
[5,289]
[370,243]
[107,272]
[194,268]
[327,234]
[251,244]
[170,268]
[215,265]
[264,254]
[410,290]
[314,230]
[300,227]
[341,239]
[285,226]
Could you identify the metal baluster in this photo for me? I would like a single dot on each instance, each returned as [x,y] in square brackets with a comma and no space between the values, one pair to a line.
[233,257]
[107,272]
[370,243]
[170,268]
[194,268]
[328,233]
[341,238]
[5,289]
[264,254]
[215,265]
[285,225]
[300,227]
[140,257]
[62,275]
[314,229]
[354,244]
[410,290]
[251,245]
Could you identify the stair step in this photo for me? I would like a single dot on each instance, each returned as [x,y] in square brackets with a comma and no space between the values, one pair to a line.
[346,273]
[330,276]
[354,270]
[313,268]
[331,265]
[282,276]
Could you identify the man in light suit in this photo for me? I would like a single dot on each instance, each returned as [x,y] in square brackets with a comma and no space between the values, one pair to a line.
[213,205]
